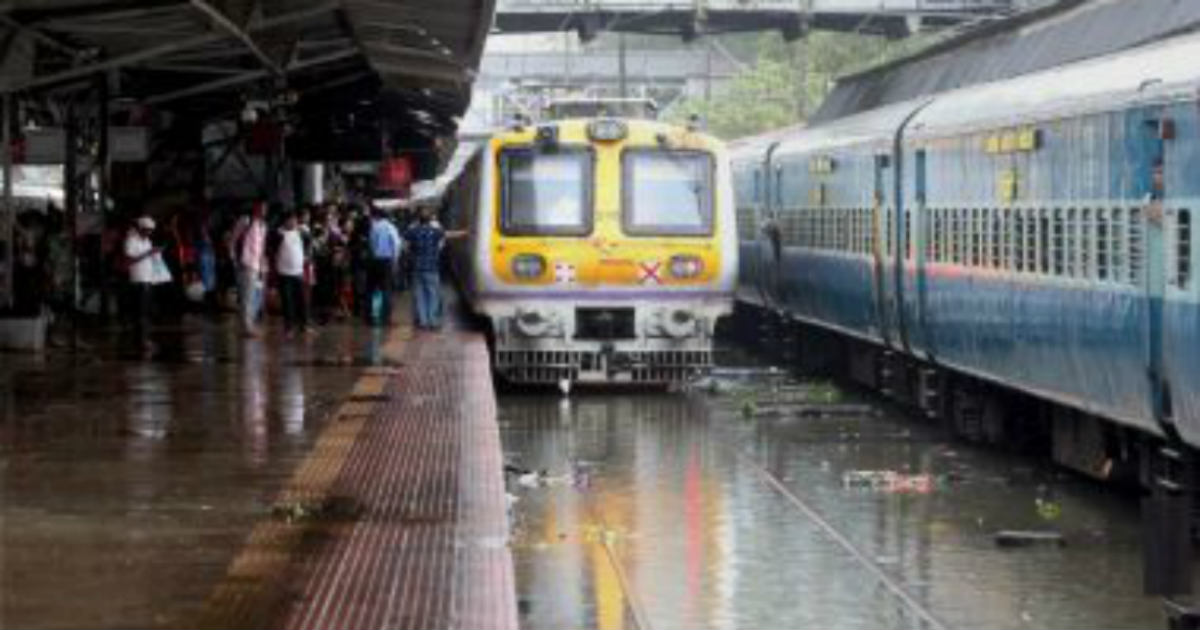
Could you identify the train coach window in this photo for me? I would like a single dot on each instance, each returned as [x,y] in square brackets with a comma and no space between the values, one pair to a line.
[668,193]
[1136,246]
[1057,243]
[1071,244]
[999,234]
[1087,245]
[1102,243]
[1043,241]
[1183,249]
[1016,234]
[1117,250]
[546,193]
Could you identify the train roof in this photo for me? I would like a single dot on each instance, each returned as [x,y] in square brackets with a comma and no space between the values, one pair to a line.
[874,127]
[1066,32]
[1156,72]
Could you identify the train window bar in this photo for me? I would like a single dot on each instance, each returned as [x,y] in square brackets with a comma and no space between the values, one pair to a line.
[1057,243]
[1044,241]
[1016,241]
[1087,242]
[1136,246]
[1117,250]
[1071,244]
[1102,242]
[908,239]
[1183,249]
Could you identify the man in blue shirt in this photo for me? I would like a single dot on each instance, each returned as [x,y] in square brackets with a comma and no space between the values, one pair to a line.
[425,240]
[385,246]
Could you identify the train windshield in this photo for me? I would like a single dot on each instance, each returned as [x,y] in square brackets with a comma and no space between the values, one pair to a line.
[668,193]
[546,193]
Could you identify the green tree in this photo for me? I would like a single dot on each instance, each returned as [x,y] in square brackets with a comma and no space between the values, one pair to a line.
[786,81]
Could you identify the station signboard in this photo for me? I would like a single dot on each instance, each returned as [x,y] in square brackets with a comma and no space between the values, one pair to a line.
[128,144]
[47,145]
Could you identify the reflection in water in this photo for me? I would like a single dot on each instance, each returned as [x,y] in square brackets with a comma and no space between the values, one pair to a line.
[677,529]
[254,405]
[126,486]
[150,406]
[618,518]
[292,401]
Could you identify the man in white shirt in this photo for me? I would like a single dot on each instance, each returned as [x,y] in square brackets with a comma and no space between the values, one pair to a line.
[146,269]
[289,267]
[247,248]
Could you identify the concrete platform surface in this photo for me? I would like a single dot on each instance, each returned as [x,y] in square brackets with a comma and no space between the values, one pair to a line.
[250,483]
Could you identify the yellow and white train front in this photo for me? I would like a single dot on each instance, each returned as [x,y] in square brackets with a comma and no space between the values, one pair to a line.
[610,251]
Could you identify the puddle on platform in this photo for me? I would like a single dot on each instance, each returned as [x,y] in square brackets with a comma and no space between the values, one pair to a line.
[127,486]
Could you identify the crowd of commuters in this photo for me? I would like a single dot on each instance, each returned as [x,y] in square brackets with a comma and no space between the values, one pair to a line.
[315,264]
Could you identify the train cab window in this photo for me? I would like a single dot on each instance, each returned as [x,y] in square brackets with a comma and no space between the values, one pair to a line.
[667,193]
[546,193]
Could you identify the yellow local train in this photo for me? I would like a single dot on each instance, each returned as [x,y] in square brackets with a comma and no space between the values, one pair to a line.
[602,250]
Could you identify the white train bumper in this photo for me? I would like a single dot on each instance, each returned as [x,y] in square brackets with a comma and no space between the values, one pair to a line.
[651,343]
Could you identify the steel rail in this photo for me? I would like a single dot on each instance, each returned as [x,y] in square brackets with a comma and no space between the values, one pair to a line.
[889,582]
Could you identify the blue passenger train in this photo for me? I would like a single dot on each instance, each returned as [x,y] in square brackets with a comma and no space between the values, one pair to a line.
[1011,255]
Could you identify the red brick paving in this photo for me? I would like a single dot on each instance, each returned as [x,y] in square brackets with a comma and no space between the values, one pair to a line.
[427,545]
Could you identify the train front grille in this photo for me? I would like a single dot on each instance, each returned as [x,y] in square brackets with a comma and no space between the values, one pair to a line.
[605,323]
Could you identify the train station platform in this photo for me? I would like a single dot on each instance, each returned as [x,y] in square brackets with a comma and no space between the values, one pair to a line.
[350,480]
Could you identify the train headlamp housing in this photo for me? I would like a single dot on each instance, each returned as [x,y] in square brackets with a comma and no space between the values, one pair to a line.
[528,266]
[685,267]
[547,138]
[607,130]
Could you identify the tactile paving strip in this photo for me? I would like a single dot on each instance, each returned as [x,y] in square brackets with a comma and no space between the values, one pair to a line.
[427,544]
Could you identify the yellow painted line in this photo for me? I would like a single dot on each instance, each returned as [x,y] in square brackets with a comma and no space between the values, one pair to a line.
[254,589]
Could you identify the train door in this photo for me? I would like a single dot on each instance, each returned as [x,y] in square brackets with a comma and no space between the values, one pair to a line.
[1150,154]
[916,236]
[883,225]
[771,241]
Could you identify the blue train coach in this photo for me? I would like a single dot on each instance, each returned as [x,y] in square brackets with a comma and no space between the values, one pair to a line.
[1014,257]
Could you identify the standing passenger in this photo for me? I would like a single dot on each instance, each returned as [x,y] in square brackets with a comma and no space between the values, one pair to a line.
[384,242]
[247,248]
[146,271]
[425,241]
[290,266]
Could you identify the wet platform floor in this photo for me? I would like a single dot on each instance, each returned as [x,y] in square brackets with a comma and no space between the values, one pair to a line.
[676,511]
[127,486]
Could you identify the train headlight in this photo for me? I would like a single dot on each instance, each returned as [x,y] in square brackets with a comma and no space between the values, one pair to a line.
[528,266]
[607,130]
[680,323]
[686,267]
[533,323]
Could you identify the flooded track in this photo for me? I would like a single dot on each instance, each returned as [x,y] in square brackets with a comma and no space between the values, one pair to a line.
[701,511]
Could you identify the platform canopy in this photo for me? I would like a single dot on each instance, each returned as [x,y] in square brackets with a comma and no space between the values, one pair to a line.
[414,59]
